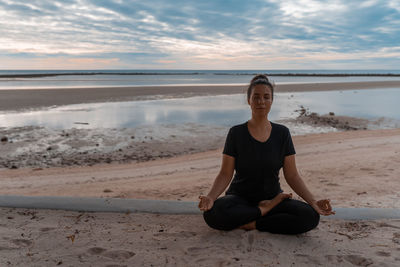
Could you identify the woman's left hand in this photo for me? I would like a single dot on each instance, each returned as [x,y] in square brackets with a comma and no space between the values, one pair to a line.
[323,207]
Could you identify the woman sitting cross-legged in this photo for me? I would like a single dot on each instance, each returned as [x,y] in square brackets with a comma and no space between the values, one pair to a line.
[256,150]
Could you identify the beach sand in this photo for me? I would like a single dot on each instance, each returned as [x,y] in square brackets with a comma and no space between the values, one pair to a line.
[352,168]
[51,238]
[20,99]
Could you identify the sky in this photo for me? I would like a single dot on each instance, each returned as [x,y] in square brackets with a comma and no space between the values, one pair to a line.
[185,34]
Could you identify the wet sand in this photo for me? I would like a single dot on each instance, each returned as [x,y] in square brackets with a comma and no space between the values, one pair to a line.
[19,99]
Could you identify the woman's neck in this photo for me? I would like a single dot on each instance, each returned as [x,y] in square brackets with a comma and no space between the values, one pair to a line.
[259,122]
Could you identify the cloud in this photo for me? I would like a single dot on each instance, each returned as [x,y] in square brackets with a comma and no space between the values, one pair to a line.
[60,63]
[200,34]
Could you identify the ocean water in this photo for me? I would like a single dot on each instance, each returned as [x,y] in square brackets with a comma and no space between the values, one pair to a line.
[222,110]
[118,78]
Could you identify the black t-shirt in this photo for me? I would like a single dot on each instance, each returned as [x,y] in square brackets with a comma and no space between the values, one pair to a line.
[257,164]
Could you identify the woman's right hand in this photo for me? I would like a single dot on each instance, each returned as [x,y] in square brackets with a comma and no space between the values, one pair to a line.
[323,207]
[206,203]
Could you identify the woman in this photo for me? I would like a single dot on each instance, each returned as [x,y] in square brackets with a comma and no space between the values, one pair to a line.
[257,150]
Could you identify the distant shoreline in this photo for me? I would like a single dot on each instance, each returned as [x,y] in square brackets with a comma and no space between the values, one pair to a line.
[22,99]
[42,75]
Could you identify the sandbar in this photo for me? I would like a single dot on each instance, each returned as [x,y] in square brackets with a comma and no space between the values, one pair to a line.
[20,99]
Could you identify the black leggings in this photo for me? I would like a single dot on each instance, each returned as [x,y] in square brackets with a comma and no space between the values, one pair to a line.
[288,217]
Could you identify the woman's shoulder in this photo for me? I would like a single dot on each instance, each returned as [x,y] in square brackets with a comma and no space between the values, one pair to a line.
[238,127]
[280,127]
[238,130]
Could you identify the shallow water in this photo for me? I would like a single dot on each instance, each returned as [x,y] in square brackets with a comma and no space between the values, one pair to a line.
[222,110]
[176,78]
[368,104]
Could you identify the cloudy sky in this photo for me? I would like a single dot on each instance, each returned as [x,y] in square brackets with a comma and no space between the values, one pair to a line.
[200,34]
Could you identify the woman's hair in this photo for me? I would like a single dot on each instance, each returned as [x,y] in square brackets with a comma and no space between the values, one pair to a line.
[260,79]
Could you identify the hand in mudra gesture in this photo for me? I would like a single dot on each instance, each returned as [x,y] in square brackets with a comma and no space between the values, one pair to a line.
[323,207]
[206,203]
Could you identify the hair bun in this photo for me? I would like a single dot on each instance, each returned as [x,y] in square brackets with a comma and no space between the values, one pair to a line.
[260,77]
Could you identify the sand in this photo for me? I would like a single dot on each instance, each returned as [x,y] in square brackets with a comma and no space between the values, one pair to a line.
[51,238]
[344,166]
[20,99]
[352,168]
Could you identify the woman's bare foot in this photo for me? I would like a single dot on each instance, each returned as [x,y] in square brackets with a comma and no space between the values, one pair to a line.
[249,226]
[266,205]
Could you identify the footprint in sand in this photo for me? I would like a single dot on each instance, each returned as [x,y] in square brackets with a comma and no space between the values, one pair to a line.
[358,260]
[246,241]
[201,257]
[119,254]
[309,259]
[46,229]
[6,248]
[250,239]
[113,254]
[96,250]
[396,238]
[333,258]
[383,253]
[332,184]
[22,242]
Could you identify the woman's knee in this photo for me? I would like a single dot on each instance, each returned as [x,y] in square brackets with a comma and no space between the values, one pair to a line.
[314,218]
[223,215]
[306,218]
[310,218]
[217,220]
[216,216]
[308,213]
[209,218]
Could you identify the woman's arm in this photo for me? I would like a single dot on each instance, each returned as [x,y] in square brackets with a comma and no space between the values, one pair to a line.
[220,183]
[294,180]
[223,178]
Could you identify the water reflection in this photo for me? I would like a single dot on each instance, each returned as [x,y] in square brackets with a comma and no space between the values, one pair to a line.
[76,81]
[223,110]
[369,104]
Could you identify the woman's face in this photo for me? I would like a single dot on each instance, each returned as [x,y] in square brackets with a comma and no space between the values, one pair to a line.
[260,100]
